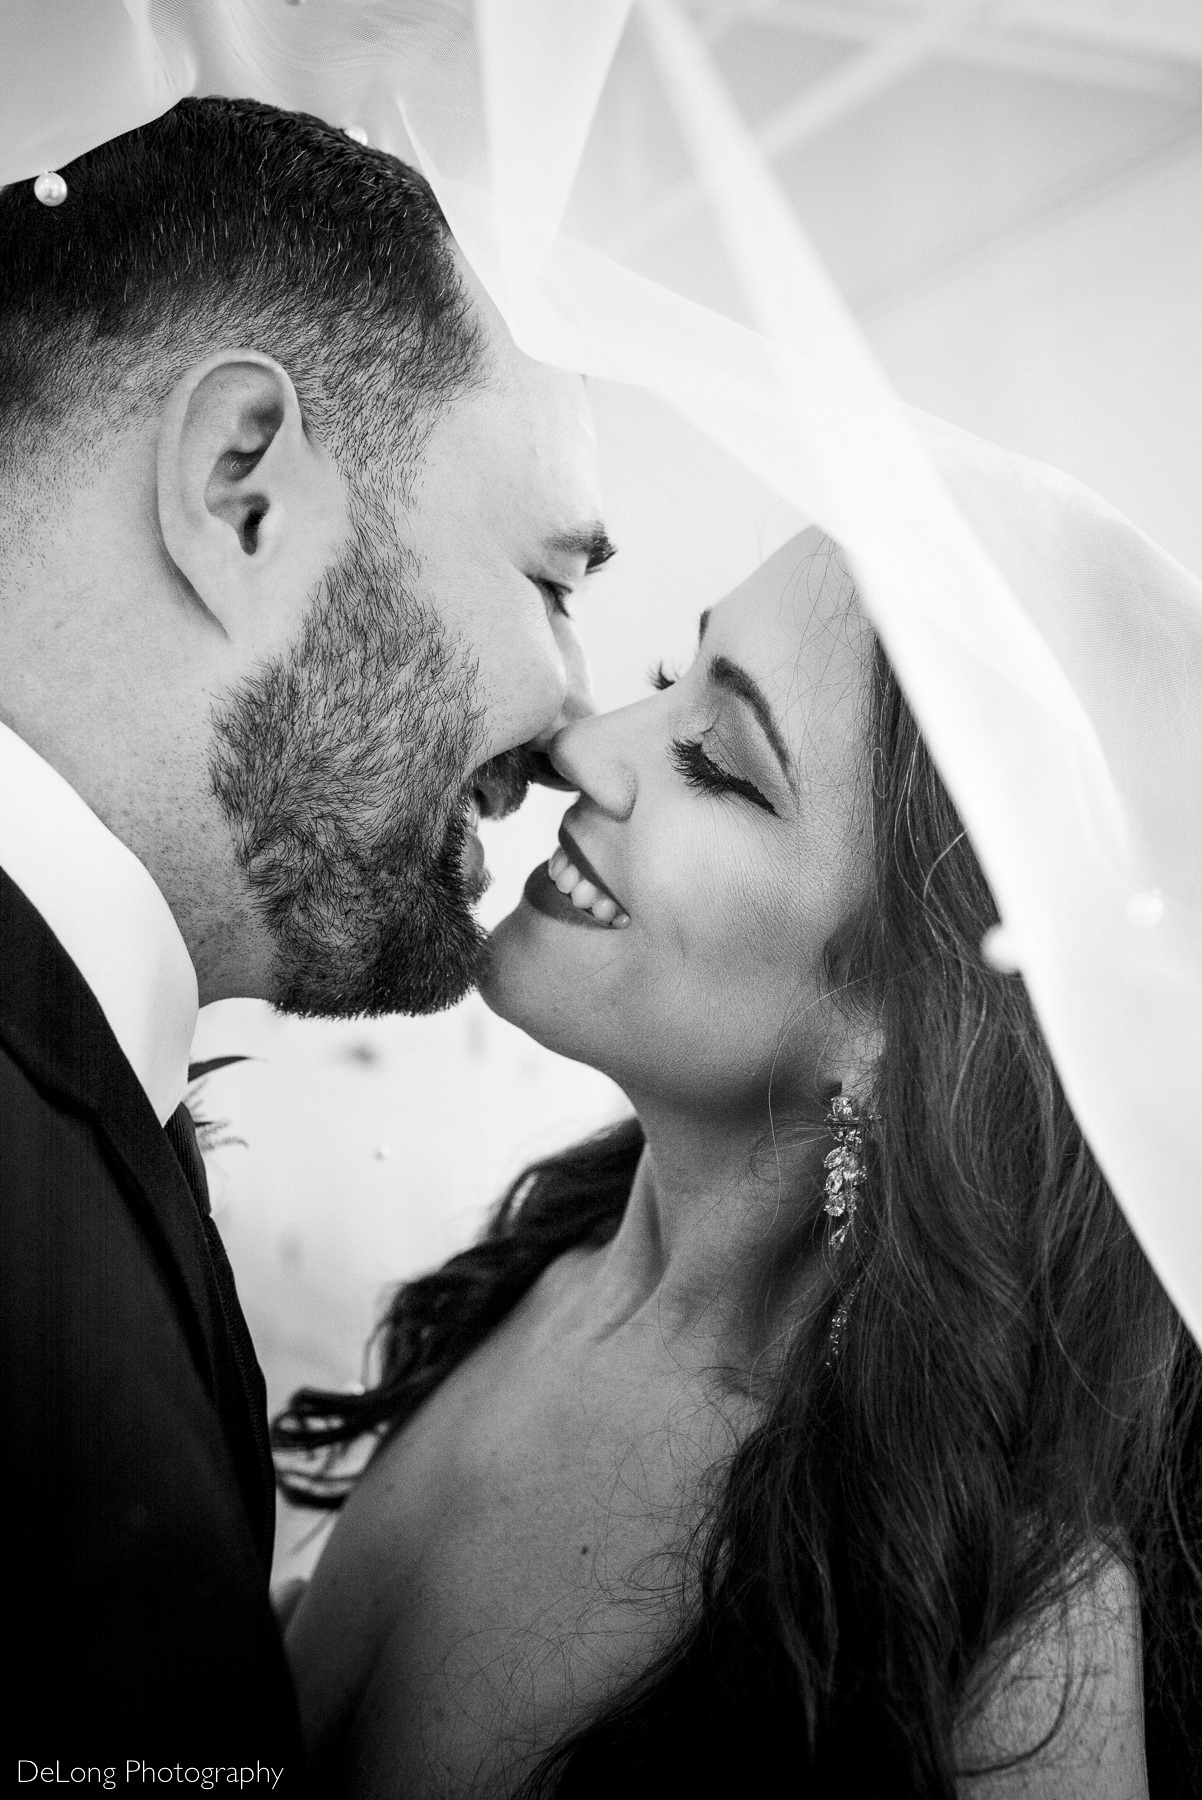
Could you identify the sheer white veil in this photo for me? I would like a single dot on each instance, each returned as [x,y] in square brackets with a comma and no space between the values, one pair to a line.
[1051,652]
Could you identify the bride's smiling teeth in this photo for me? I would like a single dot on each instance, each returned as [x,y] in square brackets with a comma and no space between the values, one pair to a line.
[585,895]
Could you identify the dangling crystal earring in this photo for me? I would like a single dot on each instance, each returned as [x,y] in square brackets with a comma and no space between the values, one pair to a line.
[844,1165]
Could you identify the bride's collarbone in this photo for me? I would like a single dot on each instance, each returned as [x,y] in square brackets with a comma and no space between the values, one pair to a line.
[540,1496]
[555,1403]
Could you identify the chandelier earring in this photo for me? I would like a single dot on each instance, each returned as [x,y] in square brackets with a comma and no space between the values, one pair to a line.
[844,1165]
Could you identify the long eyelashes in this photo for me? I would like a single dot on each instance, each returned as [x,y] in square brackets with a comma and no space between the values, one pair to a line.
[701,772]
[558,595]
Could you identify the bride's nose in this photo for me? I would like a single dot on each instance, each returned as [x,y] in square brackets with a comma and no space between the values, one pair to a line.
[590,754]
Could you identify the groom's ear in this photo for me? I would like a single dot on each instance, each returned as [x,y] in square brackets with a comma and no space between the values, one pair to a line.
[252,510]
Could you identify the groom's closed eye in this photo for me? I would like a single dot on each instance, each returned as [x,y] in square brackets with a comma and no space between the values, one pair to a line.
[569,557]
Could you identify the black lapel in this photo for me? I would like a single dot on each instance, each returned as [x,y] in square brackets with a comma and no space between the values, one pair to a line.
[53,1026]
[241,1379]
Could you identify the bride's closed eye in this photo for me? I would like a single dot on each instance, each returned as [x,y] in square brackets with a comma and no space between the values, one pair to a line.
[698,768]
[701,771]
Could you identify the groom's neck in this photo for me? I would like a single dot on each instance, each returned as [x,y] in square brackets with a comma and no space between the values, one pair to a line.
[108,672]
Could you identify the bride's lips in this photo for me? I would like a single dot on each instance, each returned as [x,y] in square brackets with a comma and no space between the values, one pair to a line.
[576,856]
[545,895]
[542,894]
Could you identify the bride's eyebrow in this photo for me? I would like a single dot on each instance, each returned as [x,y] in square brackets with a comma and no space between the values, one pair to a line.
[735,680]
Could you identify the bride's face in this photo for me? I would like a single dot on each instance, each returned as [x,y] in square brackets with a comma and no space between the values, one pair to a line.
[726,817]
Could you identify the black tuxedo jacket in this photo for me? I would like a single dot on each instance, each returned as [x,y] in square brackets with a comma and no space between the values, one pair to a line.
[137,1472]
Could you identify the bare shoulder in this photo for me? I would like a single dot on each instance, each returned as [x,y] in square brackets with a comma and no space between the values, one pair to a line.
[1075,1681]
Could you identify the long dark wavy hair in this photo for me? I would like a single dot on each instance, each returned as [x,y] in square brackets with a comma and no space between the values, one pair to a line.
[1012,1394]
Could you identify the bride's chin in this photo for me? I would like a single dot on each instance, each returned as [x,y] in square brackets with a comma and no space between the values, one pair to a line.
[524,983]
[512,959]
[533,982]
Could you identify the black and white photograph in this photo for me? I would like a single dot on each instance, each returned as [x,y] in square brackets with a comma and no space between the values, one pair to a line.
[601,898]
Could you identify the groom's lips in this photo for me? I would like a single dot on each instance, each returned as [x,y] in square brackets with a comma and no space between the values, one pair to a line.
[472,862]
[499,786]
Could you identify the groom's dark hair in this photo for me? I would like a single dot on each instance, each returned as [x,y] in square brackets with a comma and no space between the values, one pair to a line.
[227,223]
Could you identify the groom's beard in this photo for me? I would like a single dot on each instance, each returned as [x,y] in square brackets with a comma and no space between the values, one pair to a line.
[341,768]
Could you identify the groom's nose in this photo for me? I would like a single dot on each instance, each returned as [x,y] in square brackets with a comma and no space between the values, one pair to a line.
[577,700]
[577,703]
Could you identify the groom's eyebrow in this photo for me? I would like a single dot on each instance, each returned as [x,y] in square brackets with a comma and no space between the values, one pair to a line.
[591,542]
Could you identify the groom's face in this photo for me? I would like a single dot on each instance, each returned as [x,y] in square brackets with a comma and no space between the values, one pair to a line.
[436,659]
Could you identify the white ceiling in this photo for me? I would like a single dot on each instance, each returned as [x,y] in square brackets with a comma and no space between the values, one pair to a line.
[1111,42]
[909,134]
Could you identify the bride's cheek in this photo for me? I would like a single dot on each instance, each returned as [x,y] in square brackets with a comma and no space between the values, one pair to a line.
[749,902]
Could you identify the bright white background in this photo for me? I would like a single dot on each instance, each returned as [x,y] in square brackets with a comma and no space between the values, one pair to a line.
[1022,246]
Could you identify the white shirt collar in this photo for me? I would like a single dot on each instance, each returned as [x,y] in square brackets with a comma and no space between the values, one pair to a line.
[108,915]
